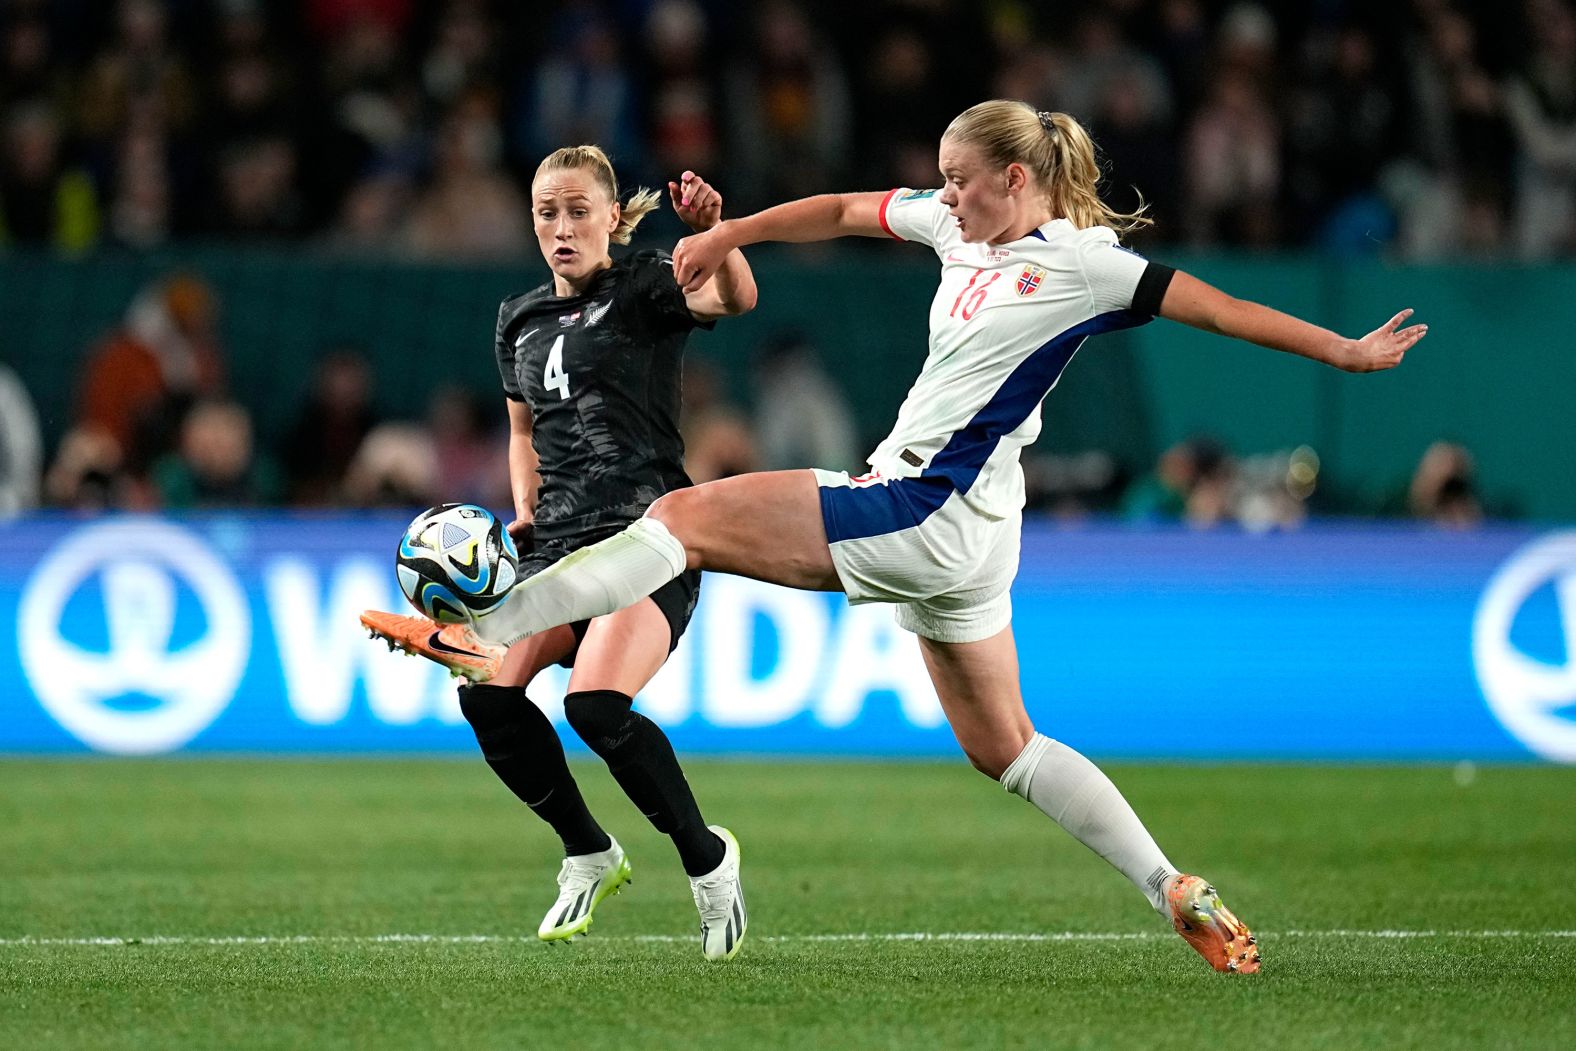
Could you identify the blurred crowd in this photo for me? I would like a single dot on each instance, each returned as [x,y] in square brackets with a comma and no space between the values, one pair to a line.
[410,127]
[156,426]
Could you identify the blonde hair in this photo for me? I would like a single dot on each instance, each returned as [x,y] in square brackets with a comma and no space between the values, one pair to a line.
[1053,146]
[592,159]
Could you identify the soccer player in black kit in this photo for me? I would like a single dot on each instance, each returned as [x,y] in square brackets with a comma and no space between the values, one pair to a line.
[591,365]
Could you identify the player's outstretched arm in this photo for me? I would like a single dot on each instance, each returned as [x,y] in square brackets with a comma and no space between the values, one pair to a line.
[818,218]
[731,290]
[1193,302]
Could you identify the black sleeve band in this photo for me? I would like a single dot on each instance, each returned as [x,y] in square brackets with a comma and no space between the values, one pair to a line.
[1152,289]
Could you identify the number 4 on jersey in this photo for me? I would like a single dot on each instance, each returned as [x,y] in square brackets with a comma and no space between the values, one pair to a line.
[554,377]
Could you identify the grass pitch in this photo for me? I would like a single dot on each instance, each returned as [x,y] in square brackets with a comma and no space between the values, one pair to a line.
[245,903]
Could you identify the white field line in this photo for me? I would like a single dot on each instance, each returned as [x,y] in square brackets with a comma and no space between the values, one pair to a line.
[789,939]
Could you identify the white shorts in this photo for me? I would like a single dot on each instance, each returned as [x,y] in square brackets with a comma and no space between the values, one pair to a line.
[917,543]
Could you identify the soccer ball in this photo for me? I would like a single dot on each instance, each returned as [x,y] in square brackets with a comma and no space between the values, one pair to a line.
[455,562]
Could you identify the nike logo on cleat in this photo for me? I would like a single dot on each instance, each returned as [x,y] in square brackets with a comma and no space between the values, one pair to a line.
[443,647]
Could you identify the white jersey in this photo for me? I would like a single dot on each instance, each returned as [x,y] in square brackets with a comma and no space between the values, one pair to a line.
[1005,322]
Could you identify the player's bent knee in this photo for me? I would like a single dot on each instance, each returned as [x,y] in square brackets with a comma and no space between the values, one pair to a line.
[673,509]
[992,750]
[681,512]
[598,716]
[505,722]
[988,764]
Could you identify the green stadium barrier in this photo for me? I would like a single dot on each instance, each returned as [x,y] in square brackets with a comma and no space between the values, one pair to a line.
[1497,371]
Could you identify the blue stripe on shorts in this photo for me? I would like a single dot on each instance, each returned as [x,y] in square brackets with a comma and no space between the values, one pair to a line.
[881,508]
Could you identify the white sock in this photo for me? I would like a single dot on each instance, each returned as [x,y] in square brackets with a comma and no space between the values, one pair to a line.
[592,582]
[1071,791]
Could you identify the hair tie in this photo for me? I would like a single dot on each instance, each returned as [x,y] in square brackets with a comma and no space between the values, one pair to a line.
[1046,122]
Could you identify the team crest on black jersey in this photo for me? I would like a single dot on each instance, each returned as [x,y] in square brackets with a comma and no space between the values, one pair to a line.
[1029,280]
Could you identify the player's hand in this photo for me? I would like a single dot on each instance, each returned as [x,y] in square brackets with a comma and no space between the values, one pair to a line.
[696,201]
[1385,346]
[697,257]
[523,530]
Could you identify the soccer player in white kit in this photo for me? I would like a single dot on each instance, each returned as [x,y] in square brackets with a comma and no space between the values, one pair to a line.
[1030,267]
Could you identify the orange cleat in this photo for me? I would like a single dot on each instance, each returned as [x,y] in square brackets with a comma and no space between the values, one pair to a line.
[455,646]
[1208,926]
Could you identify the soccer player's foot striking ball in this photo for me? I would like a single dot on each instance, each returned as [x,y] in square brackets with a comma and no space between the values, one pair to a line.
[1208,926]
[455,646]
[583,881]
[720,900]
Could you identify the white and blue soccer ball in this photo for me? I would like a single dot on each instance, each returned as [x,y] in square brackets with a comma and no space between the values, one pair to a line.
[455,562]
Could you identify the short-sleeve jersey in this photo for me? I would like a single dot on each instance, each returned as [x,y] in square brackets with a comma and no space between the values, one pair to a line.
[1005,321]
[601,373]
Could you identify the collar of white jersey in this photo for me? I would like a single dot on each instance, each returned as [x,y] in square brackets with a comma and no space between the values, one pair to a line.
[1054,228]
[1044,232]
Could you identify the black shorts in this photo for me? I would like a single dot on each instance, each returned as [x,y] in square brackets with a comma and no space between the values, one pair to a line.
[676,599]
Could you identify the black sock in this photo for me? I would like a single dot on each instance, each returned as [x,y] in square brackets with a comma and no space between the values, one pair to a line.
[642,762]
[523,749]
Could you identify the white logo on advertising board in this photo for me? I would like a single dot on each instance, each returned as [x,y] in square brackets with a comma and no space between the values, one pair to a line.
[139,564]
[1524,693]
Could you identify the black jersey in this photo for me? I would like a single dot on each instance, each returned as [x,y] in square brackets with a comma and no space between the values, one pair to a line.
[600,372]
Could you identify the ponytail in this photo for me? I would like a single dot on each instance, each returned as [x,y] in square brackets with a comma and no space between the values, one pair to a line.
[1073,187]
[641,203]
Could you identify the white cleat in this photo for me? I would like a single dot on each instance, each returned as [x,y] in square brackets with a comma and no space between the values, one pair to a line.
[720,901]
[583,881]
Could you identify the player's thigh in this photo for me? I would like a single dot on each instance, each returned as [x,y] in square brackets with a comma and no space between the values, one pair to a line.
[530,655]
[766,526]
[622,650]
[977,683]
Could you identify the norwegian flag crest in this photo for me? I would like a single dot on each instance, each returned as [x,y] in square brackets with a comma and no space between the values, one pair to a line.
[1029,280]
